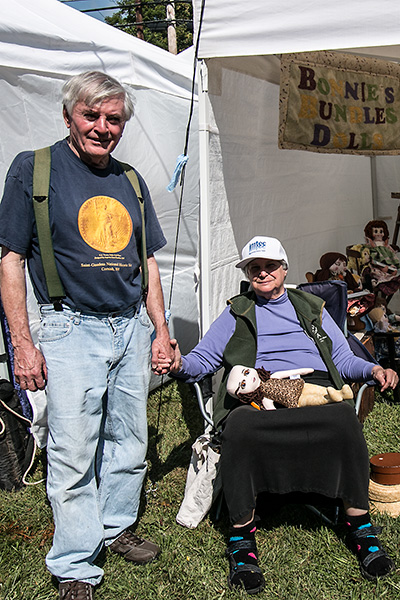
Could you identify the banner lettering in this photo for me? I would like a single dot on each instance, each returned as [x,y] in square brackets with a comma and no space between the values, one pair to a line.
[332,102]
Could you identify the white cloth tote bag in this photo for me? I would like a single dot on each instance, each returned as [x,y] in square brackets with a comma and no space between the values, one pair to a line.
[203,482]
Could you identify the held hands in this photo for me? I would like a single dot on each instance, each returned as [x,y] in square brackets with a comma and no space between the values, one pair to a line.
[177,364]
[162,354]
[165,355]
[387,378]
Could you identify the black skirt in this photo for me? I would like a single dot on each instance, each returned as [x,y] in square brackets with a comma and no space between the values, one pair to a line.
[316,449]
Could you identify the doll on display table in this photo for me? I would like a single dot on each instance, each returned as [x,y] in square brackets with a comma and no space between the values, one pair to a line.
[383,270]
[377,236]
[264,391]
[363,259]
[334,267]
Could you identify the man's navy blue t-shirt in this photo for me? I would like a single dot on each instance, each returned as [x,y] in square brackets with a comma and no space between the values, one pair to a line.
[96,226]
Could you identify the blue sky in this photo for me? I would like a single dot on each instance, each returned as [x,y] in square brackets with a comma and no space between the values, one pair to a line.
[87,4]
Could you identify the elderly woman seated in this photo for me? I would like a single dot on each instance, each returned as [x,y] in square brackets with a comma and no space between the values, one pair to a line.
[318,449]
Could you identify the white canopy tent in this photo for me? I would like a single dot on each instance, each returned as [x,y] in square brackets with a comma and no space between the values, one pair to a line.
[42,43]
[314,203]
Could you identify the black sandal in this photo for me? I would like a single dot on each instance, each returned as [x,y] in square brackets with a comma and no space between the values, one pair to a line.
[248,576]
[381,553]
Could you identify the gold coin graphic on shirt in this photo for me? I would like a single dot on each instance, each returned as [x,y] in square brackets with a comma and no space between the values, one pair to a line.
[105,224]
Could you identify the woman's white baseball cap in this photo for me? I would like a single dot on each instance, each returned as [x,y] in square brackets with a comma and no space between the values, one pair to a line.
[262,247]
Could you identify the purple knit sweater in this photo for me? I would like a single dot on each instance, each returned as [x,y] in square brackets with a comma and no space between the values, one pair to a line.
[282,344]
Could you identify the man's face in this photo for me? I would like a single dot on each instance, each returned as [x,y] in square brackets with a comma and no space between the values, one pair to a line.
[96,130]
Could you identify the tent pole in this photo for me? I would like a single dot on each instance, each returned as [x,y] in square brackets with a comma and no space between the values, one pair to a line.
[374,188]
[204,217]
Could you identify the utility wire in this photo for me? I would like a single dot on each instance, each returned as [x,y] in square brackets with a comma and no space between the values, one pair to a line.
[182,184]
[185,151]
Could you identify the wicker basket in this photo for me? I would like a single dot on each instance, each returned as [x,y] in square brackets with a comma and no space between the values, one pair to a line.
[390,508]
[384,493]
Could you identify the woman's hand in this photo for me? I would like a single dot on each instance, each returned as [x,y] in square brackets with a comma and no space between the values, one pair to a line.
[387,378]
[176,364]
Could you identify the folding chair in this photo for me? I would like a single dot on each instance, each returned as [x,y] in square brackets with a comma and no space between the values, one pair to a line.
[334,293]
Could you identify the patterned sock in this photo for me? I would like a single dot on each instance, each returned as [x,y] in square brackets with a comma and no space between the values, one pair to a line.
[251,579]
[379,566]
[237,534]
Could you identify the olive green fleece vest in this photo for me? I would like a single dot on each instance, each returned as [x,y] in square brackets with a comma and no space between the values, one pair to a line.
[242,346]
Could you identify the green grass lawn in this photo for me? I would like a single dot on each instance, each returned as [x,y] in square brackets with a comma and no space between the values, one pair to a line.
[302,558]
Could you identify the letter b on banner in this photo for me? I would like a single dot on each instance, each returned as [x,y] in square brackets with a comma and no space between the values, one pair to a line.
[307,79]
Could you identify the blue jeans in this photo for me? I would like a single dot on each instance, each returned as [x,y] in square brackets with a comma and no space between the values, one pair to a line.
[98,379]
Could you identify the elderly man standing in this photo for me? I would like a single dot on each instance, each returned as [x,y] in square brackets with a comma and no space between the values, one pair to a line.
[95,344]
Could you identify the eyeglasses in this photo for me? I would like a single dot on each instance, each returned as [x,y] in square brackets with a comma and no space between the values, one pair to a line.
[255,270]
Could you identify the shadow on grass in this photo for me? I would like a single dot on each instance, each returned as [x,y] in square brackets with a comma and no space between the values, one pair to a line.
[180,454]
[388,396]
[287,510]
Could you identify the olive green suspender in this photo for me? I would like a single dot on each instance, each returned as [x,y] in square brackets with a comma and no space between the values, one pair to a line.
[134,181]
[41,187]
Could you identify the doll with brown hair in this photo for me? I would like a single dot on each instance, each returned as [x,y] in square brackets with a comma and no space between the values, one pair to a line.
[262,390]
[377,237]
[383,269]
[376,233]
[334,267]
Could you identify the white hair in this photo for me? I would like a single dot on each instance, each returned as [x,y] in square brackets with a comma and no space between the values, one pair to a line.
[93,87]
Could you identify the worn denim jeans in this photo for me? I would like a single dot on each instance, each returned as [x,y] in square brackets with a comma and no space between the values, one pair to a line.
[98,378]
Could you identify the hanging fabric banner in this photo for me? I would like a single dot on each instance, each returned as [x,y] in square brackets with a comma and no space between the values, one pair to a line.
[341,103]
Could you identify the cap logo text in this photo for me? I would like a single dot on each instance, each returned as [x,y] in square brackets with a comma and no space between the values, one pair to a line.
[256,246]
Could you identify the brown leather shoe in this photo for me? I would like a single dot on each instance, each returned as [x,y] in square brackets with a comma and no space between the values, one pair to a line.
[134,548]
[75,590]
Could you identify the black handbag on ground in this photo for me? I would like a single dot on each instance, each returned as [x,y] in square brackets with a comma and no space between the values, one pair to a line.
[16,442]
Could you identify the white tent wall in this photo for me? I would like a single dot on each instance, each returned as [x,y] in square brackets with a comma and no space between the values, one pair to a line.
[44,42]
[313,203]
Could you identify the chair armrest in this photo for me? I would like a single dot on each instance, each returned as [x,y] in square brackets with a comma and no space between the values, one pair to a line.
[360,395]
[201,403]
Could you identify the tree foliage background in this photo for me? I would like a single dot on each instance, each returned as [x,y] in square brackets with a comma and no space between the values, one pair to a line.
[154,16]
